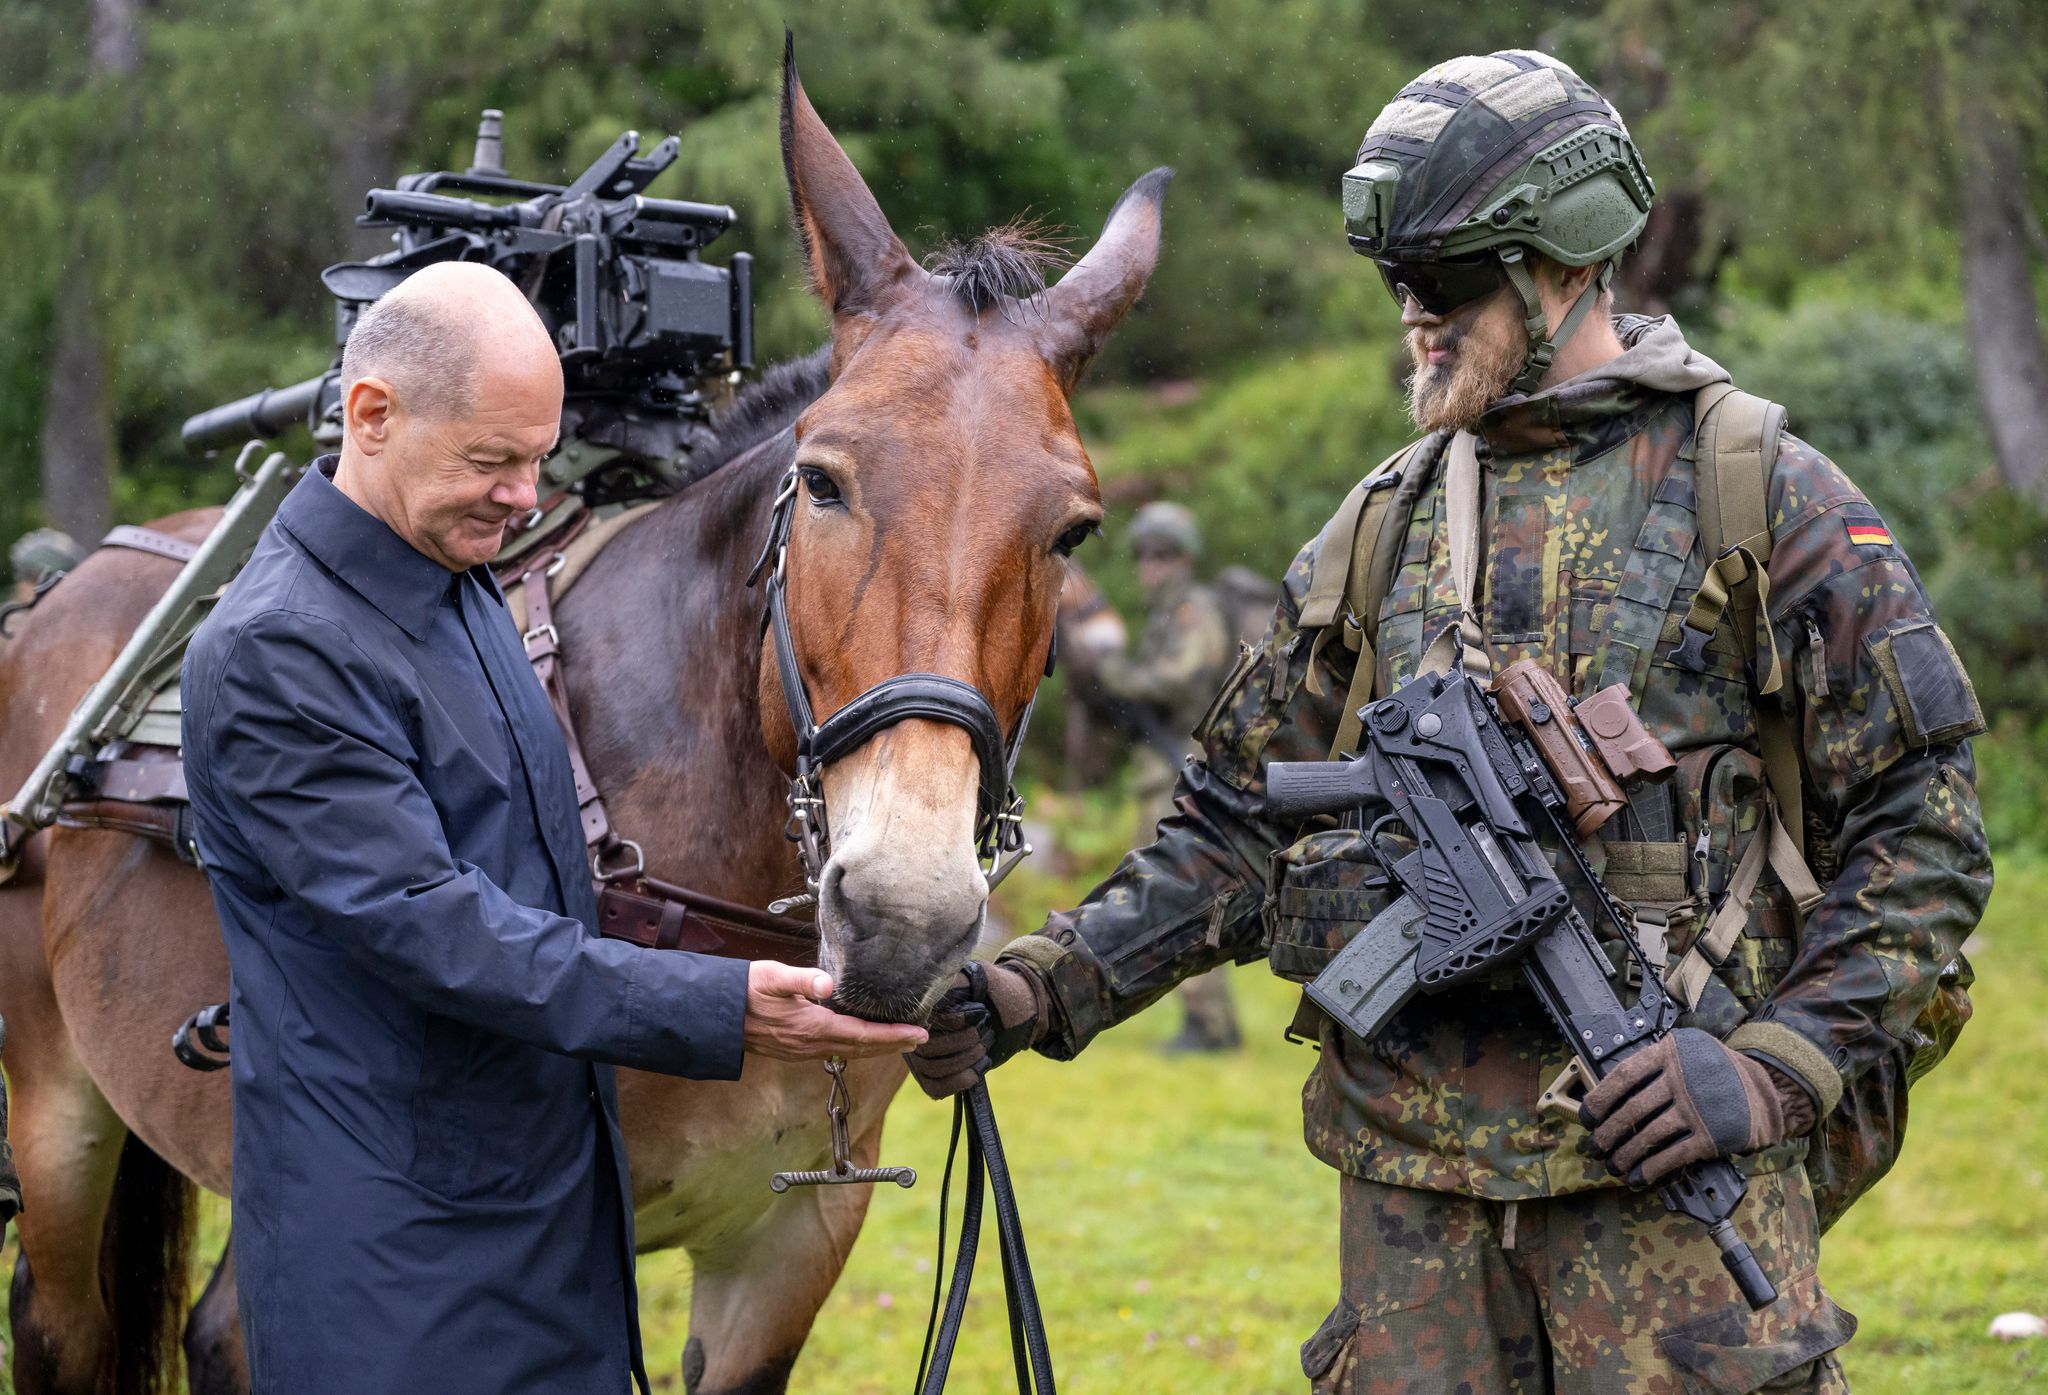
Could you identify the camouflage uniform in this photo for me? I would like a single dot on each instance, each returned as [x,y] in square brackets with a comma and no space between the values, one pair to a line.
[1588,498]
[1182,657]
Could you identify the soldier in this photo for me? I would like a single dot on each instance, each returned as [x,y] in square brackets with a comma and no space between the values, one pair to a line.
[1182,655]
[1487,1245]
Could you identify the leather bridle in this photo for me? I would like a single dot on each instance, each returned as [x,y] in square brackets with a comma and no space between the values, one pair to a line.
[999,828]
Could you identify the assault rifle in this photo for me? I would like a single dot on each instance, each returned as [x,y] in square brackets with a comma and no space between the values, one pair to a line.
[641,321]
[1480,796]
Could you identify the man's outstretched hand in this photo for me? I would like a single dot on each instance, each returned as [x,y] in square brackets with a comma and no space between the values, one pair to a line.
[788,1021]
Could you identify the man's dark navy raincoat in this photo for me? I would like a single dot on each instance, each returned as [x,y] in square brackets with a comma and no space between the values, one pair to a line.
[430,1189]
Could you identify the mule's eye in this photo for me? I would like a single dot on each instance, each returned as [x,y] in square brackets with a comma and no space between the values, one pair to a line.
[1065,544]
[819,485]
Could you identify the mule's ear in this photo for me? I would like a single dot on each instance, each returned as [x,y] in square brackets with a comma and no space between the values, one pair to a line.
[1093,297]
[857,263]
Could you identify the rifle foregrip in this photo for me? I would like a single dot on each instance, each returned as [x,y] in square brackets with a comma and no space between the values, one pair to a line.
[1297,789]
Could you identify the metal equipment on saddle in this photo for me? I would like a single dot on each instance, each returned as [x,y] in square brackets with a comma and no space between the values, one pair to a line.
[643,324]
[114,764]
[1480,799]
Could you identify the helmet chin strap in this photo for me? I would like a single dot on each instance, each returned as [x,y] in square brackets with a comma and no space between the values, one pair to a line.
[1544,346]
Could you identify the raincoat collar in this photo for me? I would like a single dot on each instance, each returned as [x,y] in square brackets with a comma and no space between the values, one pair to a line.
[384,569]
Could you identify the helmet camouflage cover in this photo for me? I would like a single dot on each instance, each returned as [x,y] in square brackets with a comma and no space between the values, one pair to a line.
[1164,523]
[1482,152]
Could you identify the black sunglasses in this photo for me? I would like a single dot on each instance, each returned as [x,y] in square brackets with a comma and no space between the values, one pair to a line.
[1442,286]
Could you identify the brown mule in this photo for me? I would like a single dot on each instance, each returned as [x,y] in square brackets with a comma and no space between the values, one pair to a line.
[942,482]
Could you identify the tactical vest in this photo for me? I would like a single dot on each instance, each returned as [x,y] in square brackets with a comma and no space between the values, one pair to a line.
[1741,812]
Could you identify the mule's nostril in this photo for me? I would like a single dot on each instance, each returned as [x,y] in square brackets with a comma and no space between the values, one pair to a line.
[890,899]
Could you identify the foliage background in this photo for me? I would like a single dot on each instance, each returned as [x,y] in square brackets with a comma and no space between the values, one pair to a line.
[168,203]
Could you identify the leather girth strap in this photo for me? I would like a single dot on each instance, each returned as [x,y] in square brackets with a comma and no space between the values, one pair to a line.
[631,905]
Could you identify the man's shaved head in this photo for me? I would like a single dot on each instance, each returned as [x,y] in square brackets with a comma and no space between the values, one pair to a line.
[451,398]
[427,337]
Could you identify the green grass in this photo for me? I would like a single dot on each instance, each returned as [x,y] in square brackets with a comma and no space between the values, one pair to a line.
[1184,1241]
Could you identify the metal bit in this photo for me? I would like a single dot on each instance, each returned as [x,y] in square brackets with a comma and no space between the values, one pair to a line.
[838,1106]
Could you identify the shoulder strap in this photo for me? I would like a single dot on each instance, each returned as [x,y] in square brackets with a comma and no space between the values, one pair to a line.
[1735,444]
[1375,555]
[1334,554]
[1735,448]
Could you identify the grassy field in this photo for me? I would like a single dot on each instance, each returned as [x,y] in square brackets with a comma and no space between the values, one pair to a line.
[1183,1239]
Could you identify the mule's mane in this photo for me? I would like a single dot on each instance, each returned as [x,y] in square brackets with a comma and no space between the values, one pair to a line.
[764,408]
[1010,262]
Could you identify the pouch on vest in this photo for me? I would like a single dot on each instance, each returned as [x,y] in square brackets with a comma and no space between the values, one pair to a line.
[1325,887]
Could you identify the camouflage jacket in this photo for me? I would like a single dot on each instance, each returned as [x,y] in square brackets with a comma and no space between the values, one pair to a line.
[1587,492]
[1182,655]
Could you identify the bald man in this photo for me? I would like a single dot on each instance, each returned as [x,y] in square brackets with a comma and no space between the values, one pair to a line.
[430,1190]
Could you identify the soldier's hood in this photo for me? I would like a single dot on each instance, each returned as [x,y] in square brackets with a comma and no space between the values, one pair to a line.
[1655,354]
[1585,411]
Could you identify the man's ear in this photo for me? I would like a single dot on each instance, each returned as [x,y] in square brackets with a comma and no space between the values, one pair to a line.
[367,413]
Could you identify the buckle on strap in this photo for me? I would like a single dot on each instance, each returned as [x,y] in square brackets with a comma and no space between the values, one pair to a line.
[601,873]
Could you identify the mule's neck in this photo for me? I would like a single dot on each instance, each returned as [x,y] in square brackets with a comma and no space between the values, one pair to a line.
[662,642]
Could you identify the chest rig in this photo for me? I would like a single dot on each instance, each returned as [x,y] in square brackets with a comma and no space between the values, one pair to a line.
[1714,499]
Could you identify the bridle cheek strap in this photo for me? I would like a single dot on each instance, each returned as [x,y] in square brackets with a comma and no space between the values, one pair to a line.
[906,696]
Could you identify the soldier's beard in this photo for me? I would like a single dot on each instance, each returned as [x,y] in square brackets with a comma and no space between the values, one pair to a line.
[1487,348]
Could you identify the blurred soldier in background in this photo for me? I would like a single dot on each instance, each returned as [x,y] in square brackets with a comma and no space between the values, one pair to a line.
[1161,691]
[38,559]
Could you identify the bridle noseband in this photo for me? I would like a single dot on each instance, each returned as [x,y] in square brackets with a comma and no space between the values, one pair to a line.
[999,827]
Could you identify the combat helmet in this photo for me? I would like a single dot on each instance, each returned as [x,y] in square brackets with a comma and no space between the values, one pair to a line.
[1482,158]
[37,554]
[1166,523]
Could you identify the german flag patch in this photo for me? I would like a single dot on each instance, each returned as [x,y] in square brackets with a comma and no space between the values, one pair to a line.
[1869,534]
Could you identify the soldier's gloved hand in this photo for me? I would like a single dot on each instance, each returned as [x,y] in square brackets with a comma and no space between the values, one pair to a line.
[991,1012]
[1688,1098]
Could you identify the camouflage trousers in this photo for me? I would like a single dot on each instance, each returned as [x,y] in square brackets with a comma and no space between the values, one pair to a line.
[1594,1293]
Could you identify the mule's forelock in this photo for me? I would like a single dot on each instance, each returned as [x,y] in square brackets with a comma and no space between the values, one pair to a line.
[1003,264]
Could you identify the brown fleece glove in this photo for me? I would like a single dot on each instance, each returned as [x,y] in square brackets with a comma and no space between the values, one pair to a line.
[1688,1098]
[991,1012]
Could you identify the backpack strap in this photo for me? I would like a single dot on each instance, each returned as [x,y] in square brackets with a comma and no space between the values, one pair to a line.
[1370,560]
[1334,554]
[1735,448]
